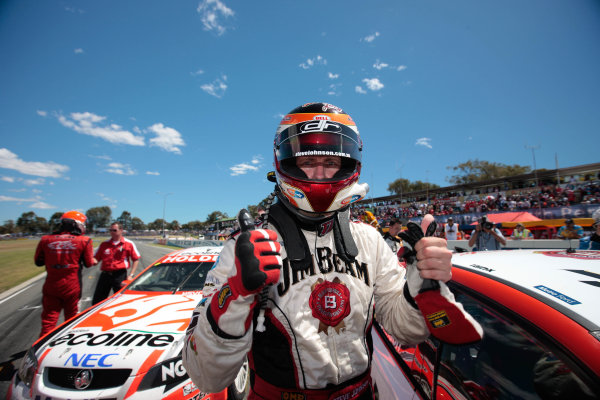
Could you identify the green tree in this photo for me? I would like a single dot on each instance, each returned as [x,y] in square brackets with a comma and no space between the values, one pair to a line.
[473,171]
[125,220]
[401,186]
[193,227]
[30,223]
[214,217]
[42,225]
[8,227]
[98,217]
[174,225]
[54,221]
[137,224]
[157,224]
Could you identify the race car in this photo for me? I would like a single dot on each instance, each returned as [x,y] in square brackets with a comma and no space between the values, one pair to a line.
[541,318]
[129,346]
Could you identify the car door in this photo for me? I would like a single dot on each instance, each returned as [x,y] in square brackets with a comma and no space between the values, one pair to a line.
[515,360]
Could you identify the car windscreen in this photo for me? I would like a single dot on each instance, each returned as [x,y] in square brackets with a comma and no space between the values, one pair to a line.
[172,277]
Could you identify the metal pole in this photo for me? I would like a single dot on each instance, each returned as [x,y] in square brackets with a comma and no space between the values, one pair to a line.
[427,182]
[164,209]
[163,218]
[557,173]
[535,174]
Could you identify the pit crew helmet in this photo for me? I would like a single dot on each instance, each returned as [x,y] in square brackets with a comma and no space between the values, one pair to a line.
[318,129]
[74,222]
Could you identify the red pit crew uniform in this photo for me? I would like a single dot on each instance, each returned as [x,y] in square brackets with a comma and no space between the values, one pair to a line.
[116,256]
[316,341]
[62,254]
[115,262]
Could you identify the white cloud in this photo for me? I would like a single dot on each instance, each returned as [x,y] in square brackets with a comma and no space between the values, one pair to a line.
[9,179]
[31,182]
[36,202]
[380,65]
[217,88]
[74,10]
[105,197]
[42,206]
[102,157]
[7,198]
[88,123]
[78,51]
[332,75]
[373,84]
[166,138]
[152,173]
[359,89]
[120,169]
[401,68]
[370,38]
[197,72]
[10,160]
[42,113]
[244,168]
[333,89]
[212,12]
[424,141]
[309,63]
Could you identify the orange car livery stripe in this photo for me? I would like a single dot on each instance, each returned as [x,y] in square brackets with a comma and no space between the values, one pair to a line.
[149,363]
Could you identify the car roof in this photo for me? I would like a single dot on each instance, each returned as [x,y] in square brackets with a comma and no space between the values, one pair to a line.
[568,282]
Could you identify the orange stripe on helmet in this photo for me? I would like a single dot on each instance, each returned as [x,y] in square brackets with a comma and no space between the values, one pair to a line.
[292,119]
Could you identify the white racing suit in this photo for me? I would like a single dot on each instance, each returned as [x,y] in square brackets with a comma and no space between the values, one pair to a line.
[318,321]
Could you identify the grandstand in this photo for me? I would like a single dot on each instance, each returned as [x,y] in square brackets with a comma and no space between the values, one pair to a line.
[528,182]
[549,195]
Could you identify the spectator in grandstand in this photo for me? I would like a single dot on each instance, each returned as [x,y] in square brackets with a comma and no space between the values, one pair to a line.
[391,236]
[570,230]
[592,242]
[486,236]
[521,233]
[451,229]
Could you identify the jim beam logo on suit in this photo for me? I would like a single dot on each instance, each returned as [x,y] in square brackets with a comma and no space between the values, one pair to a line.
[323,262]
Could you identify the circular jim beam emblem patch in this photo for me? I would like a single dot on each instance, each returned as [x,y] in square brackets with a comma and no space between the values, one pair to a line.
[579,254]
[438,319]
[330,304]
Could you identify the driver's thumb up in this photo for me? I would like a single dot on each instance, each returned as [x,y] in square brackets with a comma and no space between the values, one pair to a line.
[257,257]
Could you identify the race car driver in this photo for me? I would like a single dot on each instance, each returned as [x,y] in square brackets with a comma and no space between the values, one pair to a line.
[317,277]
[63,253]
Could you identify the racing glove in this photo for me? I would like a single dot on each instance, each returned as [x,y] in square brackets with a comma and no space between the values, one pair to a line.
[446,319]
[257,264]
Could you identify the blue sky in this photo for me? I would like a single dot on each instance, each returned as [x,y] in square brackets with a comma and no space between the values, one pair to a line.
[109,102]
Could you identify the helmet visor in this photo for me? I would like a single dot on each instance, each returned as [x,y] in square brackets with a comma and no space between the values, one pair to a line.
[318,138]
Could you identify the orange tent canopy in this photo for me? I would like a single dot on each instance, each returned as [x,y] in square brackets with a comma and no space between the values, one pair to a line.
[514,217]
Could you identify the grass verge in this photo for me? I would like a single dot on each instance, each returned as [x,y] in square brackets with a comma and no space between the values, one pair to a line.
[16,261]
